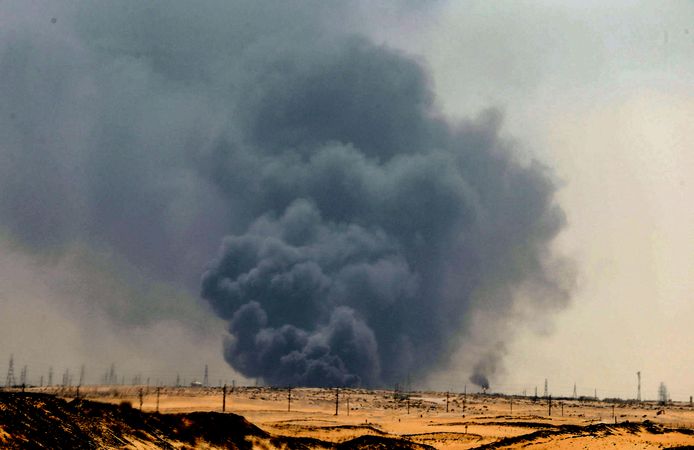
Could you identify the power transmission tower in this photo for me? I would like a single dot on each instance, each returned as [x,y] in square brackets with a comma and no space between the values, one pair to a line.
[638,394]
[205,378]
[10,381]
[112,374]
[23,376]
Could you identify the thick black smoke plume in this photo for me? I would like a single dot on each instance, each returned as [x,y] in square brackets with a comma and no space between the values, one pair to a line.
[379,227]
[364,231]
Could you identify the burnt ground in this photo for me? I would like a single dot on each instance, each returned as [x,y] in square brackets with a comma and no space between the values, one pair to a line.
[44,421]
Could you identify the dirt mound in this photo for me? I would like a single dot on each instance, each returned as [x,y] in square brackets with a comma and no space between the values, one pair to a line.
[599,430]
[45,421]
[379,442]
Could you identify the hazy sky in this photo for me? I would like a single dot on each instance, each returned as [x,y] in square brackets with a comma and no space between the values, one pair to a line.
[601,94]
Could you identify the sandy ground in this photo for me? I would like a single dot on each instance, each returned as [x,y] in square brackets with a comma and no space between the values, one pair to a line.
[484,419]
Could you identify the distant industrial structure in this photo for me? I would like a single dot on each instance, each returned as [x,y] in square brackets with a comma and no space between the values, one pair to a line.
[10,380]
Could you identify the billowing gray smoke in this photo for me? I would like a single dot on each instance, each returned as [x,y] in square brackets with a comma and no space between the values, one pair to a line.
[363,230]
[375,222]
[486,365]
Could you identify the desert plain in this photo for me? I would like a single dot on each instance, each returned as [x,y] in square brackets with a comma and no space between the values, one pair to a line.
[426,419]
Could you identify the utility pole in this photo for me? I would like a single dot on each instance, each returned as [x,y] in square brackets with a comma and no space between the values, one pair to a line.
[638,394]
[596,394]
[50,376]
[289,399]
[575,392]
[348,404]
[511,399]
[562,408]
[23,376]
[447,395]
[224,397]
[10,381]
[464,398]
[205,379]
[140,395]
[614,416]
[546,389]
[159,389]
[81,375]
[337,400]
[549,404]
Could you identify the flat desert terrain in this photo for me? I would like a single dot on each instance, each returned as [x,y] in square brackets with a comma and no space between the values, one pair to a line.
[472,420]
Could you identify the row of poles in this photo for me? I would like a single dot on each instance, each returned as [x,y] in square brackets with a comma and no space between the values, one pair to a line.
[225,392]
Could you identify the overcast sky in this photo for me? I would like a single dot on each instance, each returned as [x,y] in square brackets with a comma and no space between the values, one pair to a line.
[601,94]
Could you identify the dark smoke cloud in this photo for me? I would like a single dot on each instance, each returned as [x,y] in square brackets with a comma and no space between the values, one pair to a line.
[486,366]
[363,229]
[375,223]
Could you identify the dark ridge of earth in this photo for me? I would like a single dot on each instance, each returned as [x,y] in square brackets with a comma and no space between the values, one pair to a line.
[43,421]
